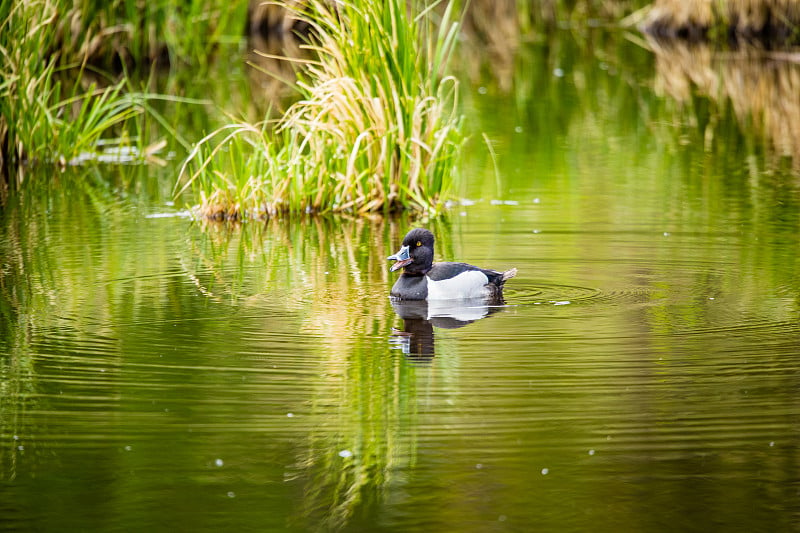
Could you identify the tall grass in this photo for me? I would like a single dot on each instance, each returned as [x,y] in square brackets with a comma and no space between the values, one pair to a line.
[41,121]
[376,128]
[132,32]
[50,112]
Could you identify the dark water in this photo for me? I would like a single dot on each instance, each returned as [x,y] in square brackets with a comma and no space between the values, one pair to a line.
[163,374]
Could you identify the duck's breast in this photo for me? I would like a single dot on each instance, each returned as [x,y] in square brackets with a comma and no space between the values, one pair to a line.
[410,288]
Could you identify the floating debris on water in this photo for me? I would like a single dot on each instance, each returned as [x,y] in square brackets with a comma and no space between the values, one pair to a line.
[176,214]
[109,152]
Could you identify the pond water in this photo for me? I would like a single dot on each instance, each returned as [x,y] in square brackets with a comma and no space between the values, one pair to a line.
[161,373]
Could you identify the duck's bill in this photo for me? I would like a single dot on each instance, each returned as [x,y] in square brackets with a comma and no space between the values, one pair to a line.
[402,257]
[400,264]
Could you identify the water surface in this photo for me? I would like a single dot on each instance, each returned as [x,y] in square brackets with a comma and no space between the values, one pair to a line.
[159,373]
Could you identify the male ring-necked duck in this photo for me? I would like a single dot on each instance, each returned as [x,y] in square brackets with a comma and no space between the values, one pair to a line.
[424,280]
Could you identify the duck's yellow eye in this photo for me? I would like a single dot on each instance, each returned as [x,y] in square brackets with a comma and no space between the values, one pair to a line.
[419,243]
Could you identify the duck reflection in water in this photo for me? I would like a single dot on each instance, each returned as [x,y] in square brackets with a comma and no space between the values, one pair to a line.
[445,295]
[416,338]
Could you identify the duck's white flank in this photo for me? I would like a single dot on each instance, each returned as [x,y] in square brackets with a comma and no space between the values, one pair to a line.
[469,284]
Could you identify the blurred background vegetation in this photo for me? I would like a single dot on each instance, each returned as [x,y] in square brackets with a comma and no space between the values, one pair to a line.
[124,82]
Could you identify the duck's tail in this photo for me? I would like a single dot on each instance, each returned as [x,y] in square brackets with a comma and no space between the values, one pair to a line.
[495,287]
[508,274]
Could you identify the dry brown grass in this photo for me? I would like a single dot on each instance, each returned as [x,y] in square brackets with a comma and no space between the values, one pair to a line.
[762,88]
[774,21]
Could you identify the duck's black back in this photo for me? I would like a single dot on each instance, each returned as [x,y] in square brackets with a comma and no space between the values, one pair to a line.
[448,270]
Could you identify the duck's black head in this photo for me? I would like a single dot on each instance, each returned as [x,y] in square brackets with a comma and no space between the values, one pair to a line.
[416,253]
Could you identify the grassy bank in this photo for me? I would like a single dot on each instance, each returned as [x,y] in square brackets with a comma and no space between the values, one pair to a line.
[376,127]
[65,94]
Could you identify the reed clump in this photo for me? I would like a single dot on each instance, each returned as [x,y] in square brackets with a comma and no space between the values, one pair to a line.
[772,22]
[376,127]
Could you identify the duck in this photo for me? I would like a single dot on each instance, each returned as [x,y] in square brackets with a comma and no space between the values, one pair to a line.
[422,279]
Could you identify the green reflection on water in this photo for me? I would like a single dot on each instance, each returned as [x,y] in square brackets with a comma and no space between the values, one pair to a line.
[149,366]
